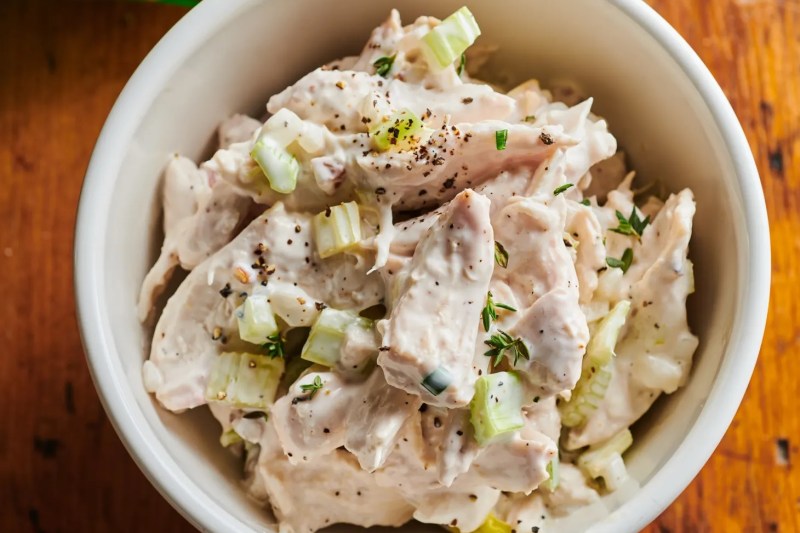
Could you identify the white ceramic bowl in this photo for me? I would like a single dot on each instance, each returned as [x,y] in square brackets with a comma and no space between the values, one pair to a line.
[223,57]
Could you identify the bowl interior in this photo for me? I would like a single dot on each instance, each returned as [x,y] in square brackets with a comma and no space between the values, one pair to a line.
[258,48]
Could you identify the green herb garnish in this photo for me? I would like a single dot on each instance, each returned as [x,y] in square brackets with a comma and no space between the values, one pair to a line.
[502,342]
[632,225]
[623,263]
[312,387]
[530,118]
[274,346]
[500,139]
[500,255]
[383,65]
[586,202]
[489,312]
[462,64]
[561,189]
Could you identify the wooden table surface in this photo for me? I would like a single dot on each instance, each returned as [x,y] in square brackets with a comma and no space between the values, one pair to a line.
[62,467]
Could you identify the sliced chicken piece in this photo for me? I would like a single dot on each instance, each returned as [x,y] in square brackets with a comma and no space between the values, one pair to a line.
[443,294]
[459,506]
[455,157]
[365,418]
[525,512]
[541,275]
[451,441]
[410,470]
[590,256]
[184,188]
[518,464]
[202,307]
[312,495]
[654,354]
[311,426]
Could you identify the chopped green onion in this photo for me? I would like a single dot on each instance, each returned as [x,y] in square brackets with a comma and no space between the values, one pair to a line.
[500,139]
[312,387]
[597,368]
[337,228]
[399,130]
[229,437]
[277,164]
[447,41]
[604,460]
[553,471]
[462,64]
[496,408]
[327,335]
[244,380]
[500,254]
[256,319]
[623,263]
[383,65]
[492,524]
[437,381]
[562,188]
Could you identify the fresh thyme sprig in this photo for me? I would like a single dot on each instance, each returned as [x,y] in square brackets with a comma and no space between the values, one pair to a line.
[274,346]
[500,343]
[312,387]
[489,312]
[632,225]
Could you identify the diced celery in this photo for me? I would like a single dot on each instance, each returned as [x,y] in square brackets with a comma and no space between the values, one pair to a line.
[280,167]
[285,127]
[244,380]
[597,368]
[551,484]
[397,131]
[496,408]
[604,460]
[587,395]
[327,335]
[437,381]
[336,229]
[292,304]
[601,345]
[229,437]
[446,42]
[492,524]
[256,319]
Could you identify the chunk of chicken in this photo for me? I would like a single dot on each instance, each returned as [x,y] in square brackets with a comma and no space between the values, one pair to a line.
[183,349]
[655,351]
[338,489]
[365,418]
[440,301]
[200,216]
[542,277]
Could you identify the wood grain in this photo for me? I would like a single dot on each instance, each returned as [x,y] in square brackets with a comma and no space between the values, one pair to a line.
[62,468]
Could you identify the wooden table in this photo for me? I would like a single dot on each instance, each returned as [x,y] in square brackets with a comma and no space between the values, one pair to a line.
[62,468]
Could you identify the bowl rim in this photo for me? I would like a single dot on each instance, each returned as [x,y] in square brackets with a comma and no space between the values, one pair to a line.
[207,514]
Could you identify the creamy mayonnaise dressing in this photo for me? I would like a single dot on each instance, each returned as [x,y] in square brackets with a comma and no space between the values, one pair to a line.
[385,434]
